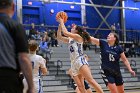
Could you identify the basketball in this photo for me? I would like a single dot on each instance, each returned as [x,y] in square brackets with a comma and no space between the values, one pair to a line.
[63,15]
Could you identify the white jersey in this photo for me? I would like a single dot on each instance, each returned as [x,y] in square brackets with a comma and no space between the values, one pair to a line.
[38,62]
[76,49]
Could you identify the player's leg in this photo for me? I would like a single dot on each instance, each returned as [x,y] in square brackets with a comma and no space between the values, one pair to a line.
[89,90]
[120,89]
[80,84]
[85,71]
[77,77]
[109,80]
[77,90]
[82,81]
[119,83]
[87,87]
[112,87]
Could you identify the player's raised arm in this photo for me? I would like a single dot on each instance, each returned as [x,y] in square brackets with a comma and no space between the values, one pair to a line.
[60,37]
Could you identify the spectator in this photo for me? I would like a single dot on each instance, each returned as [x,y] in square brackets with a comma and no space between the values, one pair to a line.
[125,51]
[32,31]
[52,34]
[132,51]
[44,49]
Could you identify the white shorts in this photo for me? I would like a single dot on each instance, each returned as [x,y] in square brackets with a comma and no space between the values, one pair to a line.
[37,85]
[79,62]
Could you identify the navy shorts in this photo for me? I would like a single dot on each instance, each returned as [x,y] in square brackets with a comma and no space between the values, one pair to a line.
[112,77]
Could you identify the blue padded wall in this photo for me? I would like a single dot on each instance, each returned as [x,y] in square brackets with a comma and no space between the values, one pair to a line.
[39,13]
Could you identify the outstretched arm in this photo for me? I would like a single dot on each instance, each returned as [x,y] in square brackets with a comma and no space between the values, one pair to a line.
[125,61]
[60,37]
[94,41]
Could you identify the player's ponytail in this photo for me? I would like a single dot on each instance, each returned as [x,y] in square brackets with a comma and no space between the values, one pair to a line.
[85,35]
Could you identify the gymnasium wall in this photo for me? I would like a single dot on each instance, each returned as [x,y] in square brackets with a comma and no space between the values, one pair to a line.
[132,17]
[39,13]
[132,21]
[15,14]
[94,19]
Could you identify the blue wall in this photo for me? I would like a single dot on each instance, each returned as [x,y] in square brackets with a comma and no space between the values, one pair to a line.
[39,13]
[15,14]
[132,21]
[94,20]
[132,17]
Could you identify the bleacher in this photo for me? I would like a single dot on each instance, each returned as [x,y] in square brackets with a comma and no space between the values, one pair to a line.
[57,80]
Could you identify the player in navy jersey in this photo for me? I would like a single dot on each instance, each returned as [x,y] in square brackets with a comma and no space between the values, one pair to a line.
[79,64]
[111,53]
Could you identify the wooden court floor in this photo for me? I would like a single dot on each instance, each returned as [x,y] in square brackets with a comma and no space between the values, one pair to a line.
[133,91]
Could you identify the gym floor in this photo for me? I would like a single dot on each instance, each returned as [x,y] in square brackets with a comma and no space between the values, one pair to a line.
[129,91]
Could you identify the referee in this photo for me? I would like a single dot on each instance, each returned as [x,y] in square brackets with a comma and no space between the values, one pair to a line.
[13,52]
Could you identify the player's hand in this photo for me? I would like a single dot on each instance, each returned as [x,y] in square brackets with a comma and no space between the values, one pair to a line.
[132,72]
[60,20]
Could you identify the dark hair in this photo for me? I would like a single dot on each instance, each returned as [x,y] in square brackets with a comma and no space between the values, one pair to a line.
[85,35]
[5,3]
[117,38]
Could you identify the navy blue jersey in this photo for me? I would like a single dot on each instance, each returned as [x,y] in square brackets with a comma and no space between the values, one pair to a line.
[110,56]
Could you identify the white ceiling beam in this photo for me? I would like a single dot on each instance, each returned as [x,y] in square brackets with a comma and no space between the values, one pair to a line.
[87,4]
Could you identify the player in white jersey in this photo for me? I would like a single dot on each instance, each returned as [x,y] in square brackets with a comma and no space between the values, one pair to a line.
[38,67]
[79,65]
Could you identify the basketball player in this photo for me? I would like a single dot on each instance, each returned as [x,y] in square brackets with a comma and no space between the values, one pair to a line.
[79,65]
[111,53]
[38,65]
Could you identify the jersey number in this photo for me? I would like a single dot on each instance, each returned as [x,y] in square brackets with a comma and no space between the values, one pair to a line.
[111,57]
[32,65]
[71,49]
